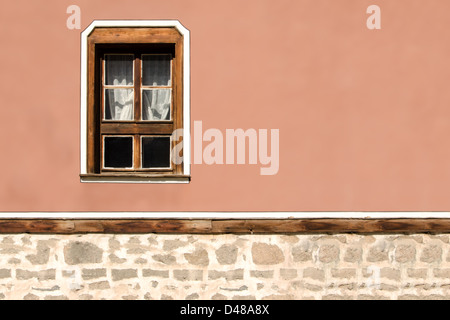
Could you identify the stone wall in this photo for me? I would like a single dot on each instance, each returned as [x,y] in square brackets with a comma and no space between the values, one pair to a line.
[153,266]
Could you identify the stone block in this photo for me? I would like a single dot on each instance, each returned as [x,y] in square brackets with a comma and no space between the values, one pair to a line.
[188,275]
[266,254]
[328,253]
[227,254]
[121,274]
[77,252]
[88,274]
[198,258]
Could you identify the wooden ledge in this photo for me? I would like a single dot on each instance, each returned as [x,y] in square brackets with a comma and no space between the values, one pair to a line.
[135,178]
[221,226]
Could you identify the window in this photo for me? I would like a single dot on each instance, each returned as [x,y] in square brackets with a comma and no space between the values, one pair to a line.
[135,102]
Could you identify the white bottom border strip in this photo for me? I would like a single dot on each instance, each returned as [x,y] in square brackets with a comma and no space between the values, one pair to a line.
[226,215]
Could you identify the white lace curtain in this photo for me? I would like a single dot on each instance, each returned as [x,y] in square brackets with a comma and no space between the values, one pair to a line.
[119,101]
[156,104]
[119,72]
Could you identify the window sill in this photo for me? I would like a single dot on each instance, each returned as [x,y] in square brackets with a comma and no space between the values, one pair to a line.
[138,178]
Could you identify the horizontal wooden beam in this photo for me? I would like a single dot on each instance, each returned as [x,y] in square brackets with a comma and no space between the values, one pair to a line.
[144,35]
[218,226]
[137,128]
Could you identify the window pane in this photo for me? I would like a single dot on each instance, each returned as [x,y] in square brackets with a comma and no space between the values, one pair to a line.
[156,104]
[119,69]
[118,152]
[119,104]
[156,70]
[156,152]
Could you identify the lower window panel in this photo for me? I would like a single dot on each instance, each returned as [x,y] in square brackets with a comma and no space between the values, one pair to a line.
[155,152]
[118,152]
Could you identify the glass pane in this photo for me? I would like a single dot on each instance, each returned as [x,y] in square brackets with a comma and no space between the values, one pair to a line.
[118,152]
[156,152]
[119,69]
[119,104]
[156,104]
[156,70]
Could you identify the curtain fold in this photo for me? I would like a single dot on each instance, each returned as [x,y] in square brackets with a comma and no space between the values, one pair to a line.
[119,103]
[119,72]
[156,104]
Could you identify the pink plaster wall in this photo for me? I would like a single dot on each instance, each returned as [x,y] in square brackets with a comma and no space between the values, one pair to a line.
[364,115]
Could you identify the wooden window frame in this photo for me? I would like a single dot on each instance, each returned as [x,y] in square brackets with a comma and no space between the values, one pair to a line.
[137,38]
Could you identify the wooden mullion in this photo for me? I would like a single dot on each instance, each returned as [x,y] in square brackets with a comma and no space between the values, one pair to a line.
[156,87]
[117,87]
[137,87]
[137,152]
[137,108]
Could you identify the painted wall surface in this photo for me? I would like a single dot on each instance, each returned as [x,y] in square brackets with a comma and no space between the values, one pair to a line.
[363,115]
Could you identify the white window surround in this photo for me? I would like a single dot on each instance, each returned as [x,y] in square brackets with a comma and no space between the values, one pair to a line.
[186,99]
